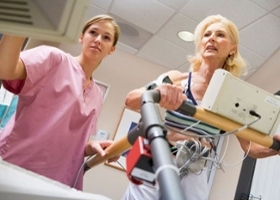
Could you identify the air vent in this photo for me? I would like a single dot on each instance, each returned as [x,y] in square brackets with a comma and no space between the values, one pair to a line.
[16,12]
[53,20]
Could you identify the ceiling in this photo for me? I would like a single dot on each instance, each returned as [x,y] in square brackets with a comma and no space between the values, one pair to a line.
[150,27]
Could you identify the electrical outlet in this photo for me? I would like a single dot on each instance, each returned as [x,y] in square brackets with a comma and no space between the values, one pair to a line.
[101,135]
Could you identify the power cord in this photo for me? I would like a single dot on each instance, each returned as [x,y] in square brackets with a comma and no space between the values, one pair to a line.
[205,134]
[216,160]
[82,167]
[121,165]
[80,171]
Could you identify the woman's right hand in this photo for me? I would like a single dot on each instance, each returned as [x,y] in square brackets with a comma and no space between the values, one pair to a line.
[171,96]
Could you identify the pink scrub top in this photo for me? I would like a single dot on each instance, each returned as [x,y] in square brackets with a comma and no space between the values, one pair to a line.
[55,116]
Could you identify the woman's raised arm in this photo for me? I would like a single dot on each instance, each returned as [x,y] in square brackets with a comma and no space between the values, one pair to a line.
[11,67]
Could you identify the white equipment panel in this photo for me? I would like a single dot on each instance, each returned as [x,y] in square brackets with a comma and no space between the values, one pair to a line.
[19,184]
[234,98]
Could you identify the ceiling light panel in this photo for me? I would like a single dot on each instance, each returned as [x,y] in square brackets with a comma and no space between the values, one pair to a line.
[266,29]
[241,13]
[173,26]
[166,52]
[147,14]
[104,4]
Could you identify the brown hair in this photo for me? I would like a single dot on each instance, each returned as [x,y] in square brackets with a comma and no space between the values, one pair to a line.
[107,18]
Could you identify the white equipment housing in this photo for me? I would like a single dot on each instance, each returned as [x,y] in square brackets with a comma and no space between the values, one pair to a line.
[234,98]
[49,20]
[19,184]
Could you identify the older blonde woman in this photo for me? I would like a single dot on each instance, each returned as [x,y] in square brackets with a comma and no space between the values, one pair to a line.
[216,47]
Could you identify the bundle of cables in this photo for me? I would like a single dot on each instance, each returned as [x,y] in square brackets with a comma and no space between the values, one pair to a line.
[191,155]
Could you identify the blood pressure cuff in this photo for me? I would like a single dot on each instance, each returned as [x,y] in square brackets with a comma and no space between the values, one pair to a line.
[159,81]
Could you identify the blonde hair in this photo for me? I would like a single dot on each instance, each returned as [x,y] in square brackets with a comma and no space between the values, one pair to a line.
[234,63]
[106,18]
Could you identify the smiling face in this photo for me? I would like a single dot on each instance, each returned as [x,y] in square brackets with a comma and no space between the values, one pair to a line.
[98,39]
[216,42]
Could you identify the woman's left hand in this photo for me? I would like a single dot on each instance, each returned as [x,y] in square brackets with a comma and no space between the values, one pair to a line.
[96,146]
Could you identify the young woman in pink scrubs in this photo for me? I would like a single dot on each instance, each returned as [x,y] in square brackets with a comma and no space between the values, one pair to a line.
[59,102]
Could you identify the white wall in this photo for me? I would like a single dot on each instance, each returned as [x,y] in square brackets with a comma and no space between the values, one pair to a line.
[226,179]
